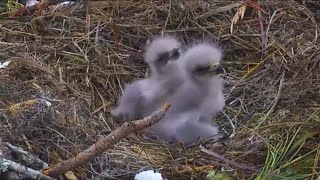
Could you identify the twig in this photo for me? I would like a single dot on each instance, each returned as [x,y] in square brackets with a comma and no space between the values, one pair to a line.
[26,142]
[263,34]
[168,17]
[277,97]
[255,6]
[271,21]
[115,136]
[25,170]
[228,161]
[115,31]
[20,151]
[220,10]
[231,123]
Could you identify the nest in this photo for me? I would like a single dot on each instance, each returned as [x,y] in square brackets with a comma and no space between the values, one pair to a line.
[69,67]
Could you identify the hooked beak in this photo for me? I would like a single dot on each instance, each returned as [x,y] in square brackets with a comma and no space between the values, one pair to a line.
[216,69]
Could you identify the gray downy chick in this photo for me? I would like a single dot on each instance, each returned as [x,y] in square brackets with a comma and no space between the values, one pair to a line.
[201,66]
[193,130]
[215,100]
[144,96]
[186,128]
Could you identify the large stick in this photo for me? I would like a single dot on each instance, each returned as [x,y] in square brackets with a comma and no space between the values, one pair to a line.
[25,170]
[115,136]
[28,10]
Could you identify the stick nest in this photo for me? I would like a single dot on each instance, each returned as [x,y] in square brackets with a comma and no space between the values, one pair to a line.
[69,67]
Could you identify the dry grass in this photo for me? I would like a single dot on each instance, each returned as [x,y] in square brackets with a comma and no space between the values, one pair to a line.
[79,59]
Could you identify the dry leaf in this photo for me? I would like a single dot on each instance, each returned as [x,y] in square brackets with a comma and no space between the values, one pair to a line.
[138,150]
[196,169]
[70,175]
[15,108]
[238,16]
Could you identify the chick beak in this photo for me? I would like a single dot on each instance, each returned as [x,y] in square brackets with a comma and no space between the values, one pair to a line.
[216,69]
[174,54]
[220,69]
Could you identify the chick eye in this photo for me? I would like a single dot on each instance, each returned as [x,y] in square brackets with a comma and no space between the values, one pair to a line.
[163,57]
[175,53]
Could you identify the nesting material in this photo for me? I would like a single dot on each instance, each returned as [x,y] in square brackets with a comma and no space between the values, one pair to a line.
[80,59]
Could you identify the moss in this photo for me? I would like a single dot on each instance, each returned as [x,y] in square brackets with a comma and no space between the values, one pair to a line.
[214,175]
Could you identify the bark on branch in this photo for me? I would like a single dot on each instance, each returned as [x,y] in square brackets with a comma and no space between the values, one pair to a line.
[115,136]
[28,155]
[28,10]
[25,170]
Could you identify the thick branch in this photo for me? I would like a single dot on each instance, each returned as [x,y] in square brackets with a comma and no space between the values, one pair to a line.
[25,170]
[28,10]
[115,136]
[28,155]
